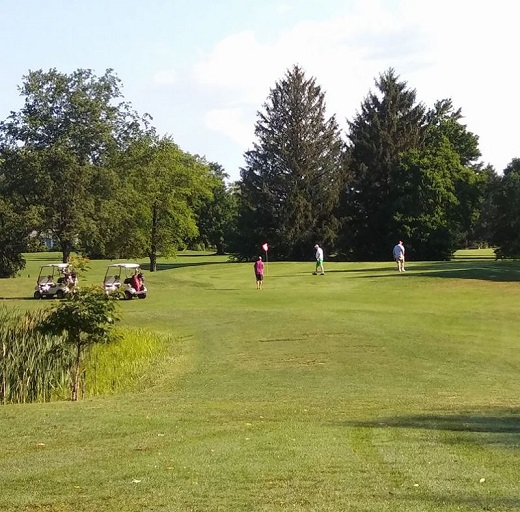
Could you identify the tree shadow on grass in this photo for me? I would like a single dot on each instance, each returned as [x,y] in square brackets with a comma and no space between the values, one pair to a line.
[462,499]
[360,270]
[46,259]
[498,271]
[489,270]
[500,422]
[170,266]
[18,298]
[493,426]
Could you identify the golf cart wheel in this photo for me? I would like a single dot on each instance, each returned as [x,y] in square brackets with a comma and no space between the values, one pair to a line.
[60,294]
[37,295]
[142,295]
[128,295]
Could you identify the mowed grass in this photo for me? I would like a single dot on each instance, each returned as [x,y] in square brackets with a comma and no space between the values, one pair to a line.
[361,390]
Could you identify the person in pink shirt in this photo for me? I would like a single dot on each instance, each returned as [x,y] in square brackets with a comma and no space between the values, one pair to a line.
[259,273]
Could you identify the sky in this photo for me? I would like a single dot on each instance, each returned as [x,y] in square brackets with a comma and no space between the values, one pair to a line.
[202,69]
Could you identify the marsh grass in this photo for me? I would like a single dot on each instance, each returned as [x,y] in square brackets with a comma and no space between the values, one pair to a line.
[33,367]
[130,363]
[361,390]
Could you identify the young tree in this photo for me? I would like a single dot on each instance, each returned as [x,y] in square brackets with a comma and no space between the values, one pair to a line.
[85,318]
[67,127]
[293,175]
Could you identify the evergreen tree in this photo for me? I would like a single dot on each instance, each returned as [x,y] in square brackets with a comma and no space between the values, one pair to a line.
[389,123]
[293,176]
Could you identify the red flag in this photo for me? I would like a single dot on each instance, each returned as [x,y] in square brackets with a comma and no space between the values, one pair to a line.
[265,247]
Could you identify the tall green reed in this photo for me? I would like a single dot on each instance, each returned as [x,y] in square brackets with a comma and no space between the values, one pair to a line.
[37,368]
[33,366]
[130,363]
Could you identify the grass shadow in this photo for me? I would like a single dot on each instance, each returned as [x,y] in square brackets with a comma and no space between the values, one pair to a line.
[18,298]
[359,270]
[492,421]
[170,266]
[478,269]
[488,270]
[466,500]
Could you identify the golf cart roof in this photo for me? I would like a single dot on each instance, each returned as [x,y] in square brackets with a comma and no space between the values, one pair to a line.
[57,265]
[125,265]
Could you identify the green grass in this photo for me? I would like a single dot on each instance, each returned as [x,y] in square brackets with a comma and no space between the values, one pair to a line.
[361,390]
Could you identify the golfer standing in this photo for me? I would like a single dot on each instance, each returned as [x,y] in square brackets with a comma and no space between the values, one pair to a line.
[398,253]
[319,260]
[259,273]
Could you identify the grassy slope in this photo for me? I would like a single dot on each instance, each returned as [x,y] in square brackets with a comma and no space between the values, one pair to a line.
[360,390]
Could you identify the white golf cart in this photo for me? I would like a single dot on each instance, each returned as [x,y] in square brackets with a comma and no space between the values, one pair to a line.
[55,280]
[126,278]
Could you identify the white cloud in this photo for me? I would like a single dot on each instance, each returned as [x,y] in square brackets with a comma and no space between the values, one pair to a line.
[233,123]
[340,53]
[464,50]
[236,66]
[283,8]
[165,77]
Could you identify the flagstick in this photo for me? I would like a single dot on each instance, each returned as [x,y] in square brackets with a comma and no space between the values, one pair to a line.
[266,264]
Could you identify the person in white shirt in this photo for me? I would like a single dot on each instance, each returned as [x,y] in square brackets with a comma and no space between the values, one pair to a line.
[319,260]
[398,254]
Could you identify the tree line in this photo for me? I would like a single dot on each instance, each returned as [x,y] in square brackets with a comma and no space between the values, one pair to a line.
[400,170]
[78,164]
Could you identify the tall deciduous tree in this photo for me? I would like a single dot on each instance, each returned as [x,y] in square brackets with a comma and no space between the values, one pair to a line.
[293,175]
[55,145]
[15,229]
[484,229]
[437,193]
[429,211]
[447,131]
[389,123]
[217,215]
[163,187]
[506,209]
[444,121]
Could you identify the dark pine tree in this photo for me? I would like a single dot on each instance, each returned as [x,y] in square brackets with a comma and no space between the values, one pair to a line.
[293,175]
[390,123]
